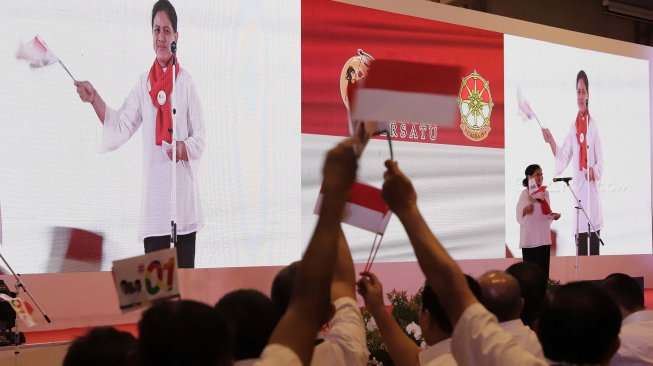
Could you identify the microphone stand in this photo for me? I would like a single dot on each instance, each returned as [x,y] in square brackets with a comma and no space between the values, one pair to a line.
[20,285]
[173,196]
[580,208]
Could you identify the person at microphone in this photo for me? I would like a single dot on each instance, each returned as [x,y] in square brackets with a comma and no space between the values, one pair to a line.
[582,146]
[534,216]
[149,105]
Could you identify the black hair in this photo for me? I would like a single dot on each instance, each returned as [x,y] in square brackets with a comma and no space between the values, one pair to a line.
[282,287]
[583,75]
[252,317]
[530,170]
[165,6]
[579,324]
[625,291]
[102,346]
[185,332]
[431,302]
[532,283]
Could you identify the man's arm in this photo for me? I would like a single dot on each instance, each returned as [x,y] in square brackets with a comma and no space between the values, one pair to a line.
[441,271]
[344,277]
[310,300]
[403,351]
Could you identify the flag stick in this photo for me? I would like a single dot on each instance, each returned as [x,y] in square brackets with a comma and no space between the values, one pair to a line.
[65,68]
[538,120]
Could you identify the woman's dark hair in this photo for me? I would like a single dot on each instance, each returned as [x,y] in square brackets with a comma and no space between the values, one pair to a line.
[530,170]
[583,75]
[164,5]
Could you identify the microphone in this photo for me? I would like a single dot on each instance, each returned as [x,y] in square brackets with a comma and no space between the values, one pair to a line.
[173,48]
[564,179]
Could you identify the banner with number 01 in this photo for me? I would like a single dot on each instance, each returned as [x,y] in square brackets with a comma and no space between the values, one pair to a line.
[143,279]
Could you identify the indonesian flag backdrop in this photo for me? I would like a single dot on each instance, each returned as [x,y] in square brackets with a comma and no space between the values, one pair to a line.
[457,166]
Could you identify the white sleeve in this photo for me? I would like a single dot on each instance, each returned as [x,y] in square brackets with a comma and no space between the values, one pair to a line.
[196,133]
[120,125]
[521,204]
[564,152]
[597,153]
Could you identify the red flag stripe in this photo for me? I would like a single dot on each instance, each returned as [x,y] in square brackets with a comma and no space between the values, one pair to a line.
[414,77]
[365,195]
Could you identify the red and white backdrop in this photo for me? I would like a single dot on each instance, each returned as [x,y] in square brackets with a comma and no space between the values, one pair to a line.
[456,166]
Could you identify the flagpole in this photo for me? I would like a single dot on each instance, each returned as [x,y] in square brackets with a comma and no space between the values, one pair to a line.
[65,68]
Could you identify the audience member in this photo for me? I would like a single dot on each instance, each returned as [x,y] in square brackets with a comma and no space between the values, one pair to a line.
[344,343]
[433,322]
[532,283]
[183,333]
[251,317]
[477,338]
[502,297]
[637,324]
[102,346]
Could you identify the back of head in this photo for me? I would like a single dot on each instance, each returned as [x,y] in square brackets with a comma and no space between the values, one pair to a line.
[501,295]
[532,283]
[625,291]
[431,302]
[103,346]
[252,317]
[189,333]
[579,323]
[282,286]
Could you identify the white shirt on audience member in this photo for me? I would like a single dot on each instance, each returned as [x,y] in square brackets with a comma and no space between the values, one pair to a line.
[278,355]
[478,339]
[636,340]
[345,343]
[524,336]
[438,354]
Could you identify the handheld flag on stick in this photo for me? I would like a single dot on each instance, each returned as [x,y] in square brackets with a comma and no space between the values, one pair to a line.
[37,53]
[525,108]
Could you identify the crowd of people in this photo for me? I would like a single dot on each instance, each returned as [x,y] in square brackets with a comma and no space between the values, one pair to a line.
[501,318]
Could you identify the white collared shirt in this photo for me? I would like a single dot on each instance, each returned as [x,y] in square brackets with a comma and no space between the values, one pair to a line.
[438,354]
[535,227]
[278,355]
[345,343]
[120,125]
[636,340]
[524,336]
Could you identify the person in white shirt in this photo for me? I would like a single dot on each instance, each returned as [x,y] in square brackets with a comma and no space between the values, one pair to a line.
[534,217]
[149,104]
[637,324]
[434,325]
[576,309]
[582,145]
[252,317]
[502,297]
[293,339]
[344,343]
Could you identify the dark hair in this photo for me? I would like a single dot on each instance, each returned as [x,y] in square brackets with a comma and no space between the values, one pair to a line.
[282,286]
[530,170]
[102,346]
[252,317]
[532,283]
[579,324]
[583,75]
[188,333]
[166,6]
[431,302]
[625,291]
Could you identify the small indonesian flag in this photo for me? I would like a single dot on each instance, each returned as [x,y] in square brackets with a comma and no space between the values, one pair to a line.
[537,192]
[407,91]
[22,309]
[524,106]
[365,208]
[37,53]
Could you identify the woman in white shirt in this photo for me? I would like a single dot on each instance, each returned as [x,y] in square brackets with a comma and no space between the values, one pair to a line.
[149,104]
[534,217]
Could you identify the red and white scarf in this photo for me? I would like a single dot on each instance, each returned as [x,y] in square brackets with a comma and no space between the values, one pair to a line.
[162,81]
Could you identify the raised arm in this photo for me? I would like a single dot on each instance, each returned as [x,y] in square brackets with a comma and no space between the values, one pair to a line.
[441,271]
[88,94]
[344,276]
[310,301]
[403,351]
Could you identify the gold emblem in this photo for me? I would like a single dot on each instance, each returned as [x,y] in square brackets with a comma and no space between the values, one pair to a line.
[475,104]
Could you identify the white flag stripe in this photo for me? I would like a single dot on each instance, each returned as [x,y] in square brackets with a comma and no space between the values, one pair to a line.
[365,218]
[390,105]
